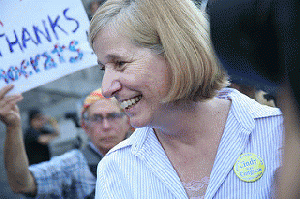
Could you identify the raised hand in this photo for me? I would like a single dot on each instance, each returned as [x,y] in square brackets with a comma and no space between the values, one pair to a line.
[9,111]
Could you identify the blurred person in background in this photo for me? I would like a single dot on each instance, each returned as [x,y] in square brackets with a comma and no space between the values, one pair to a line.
[260,96]
[38,137]
[265,98]
[260,39]
[253,91]
[93,6]
[72,175]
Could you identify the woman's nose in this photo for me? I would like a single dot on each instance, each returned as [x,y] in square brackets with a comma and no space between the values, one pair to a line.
[110,83]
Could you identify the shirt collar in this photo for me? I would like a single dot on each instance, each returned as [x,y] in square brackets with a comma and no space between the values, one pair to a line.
[94,148]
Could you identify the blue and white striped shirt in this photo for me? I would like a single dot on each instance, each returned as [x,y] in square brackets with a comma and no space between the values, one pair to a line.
[139,168]
[65,177]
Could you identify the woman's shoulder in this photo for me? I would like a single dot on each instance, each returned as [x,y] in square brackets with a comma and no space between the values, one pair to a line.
[248,113]
[245,104]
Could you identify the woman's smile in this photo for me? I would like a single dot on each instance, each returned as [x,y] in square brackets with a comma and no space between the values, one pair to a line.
[138,84]
[127,104]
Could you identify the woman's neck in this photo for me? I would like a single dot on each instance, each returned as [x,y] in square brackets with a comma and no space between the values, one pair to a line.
[193,122]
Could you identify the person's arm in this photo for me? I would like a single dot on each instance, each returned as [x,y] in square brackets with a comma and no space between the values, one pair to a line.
[288,179]
[16,163]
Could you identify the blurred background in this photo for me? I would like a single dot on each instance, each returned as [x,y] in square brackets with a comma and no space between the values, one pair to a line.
[61,99]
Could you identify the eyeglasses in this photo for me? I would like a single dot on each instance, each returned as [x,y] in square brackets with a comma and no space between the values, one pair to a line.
[98,118]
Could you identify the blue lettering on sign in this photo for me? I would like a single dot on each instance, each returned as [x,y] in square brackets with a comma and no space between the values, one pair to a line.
[10,44]
[57,50]
[26,37]
[72,48]
[24,66]
[71,19]
[49,62]
[35,63]
[14,73]
[3,76]
[37,32]
[55,25]
[1,35]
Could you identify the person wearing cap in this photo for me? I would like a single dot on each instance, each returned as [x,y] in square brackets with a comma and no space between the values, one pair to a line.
[38,137]
[73,174]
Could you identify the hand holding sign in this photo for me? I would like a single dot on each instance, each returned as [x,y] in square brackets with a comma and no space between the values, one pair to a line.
[9,112]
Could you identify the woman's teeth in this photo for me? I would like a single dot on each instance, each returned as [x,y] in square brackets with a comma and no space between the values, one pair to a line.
[131,102]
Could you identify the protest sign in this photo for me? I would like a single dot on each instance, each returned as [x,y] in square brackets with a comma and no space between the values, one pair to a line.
[41,41]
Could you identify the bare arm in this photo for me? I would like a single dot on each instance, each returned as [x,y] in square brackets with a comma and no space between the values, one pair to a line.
[289,178]
[16,162]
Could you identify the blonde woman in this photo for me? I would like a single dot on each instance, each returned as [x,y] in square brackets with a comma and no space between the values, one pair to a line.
[194,137]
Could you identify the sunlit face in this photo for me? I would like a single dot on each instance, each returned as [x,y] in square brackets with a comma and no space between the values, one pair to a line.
[136,76]
[104,127]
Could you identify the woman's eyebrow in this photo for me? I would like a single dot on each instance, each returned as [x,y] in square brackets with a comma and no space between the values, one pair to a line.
[110,58]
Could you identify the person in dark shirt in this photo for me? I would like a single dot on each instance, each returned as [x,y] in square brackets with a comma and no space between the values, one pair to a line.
[260,40]
[37,137]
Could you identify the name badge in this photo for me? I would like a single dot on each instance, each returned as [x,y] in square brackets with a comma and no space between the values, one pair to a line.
[249,167]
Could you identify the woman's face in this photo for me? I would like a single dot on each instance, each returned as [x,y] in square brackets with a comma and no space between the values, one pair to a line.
[136,76]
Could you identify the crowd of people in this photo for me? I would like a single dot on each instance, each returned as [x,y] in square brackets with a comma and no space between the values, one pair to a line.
[197,135]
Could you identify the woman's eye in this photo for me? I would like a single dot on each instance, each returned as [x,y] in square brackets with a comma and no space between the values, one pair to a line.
[101,67]
[120,65]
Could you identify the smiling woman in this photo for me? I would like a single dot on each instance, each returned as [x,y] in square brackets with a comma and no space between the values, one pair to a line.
[160,64]
[144,76]
[172,37]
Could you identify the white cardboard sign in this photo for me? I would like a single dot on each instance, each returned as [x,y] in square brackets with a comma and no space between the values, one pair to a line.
[41,41]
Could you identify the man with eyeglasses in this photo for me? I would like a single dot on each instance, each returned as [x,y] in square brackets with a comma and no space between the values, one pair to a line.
[72,175]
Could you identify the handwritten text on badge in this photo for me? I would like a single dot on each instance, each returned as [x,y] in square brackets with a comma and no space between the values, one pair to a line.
[249,167]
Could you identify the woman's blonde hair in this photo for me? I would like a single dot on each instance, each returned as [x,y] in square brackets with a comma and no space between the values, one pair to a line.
[175,29]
